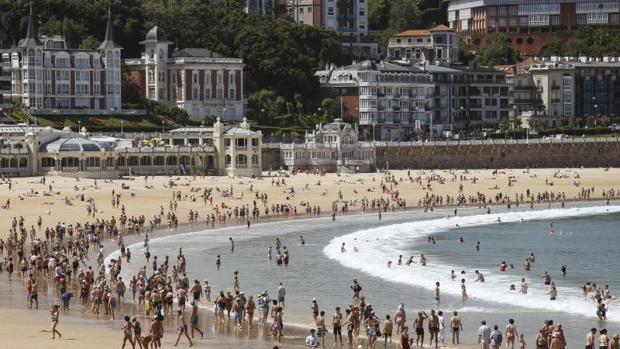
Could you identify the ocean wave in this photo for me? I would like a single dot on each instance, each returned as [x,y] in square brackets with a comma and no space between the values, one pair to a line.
[377,246]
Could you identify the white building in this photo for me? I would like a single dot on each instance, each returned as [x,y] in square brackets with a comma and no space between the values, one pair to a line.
[332,147]
[201,82]
[49,77]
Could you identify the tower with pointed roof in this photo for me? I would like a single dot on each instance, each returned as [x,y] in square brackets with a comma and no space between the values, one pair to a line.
[111,56]
[32,54]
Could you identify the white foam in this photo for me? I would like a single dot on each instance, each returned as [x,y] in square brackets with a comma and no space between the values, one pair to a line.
[378,245]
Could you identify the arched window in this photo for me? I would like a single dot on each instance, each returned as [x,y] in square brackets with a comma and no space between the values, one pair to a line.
[13,163]
[23,162]
[184,160]
[158,161]
[4,163]
[227,160]
[254,160]
[122,161]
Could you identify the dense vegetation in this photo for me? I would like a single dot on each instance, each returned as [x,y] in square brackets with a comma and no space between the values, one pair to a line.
[588,41]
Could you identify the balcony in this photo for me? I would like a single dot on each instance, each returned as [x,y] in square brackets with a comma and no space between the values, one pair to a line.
[555,87]
[524,88]
[241,148]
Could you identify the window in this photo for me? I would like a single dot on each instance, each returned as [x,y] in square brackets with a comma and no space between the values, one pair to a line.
[301,10]
[362,12]
[330,11]
[309,9]
[231,93]
[231,77]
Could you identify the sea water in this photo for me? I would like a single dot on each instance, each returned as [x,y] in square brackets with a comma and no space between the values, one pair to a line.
[584,238]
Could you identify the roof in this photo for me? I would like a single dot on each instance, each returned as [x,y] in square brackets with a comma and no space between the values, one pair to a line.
[155,35]
[191,130]
[72,144]
[32,38]
[414,32]
[441,28]
[108,40]
[239,131]
[196,52]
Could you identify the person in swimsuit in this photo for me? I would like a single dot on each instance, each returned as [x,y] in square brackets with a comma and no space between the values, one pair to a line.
[128,333]
[194,319]
[457,327]
[55,313]
[337,326]
[405,342]
[433,329]
[321,329]
[511,334]
[401,318]
[387,330]
[418,324]
[182,329]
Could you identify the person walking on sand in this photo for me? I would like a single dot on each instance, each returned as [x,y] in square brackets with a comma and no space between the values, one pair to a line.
[128,333]
[194,320]
[55,313]
[182,329]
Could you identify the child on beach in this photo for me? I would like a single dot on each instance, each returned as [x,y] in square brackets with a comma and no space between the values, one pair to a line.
[522,343]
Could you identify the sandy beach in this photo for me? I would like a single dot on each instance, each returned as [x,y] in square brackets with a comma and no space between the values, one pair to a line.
[66,200]
[146,197]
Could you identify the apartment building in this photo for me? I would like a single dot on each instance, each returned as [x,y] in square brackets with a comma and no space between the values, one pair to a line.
[578,87]
[47,76]
[348,18]
[200,81]
[398,101]
[529,24]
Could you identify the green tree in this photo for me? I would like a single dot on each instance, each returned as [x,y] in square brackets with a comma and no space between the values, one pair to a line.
[497,50]
[73,31]
[553,47]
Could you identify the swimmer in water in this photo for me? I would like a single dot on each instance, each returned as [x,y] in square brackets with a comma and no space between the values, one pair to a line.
[410,261]
[478,246]
[218,262]
[355,249]
[480,276]
[301,240]
[463,290]
[452,275]
[400,260]
[389,264]
[524,286]
[342,249]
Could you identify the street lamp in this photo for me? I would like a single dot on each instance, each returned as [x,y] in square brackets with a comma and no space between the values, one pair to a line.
[163,130]
[79,126]
[122,130]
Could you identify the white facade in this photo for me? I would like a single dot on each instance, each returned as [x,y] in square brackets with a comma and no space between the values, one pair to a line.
[49,77]
[197,80]
[332,147]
